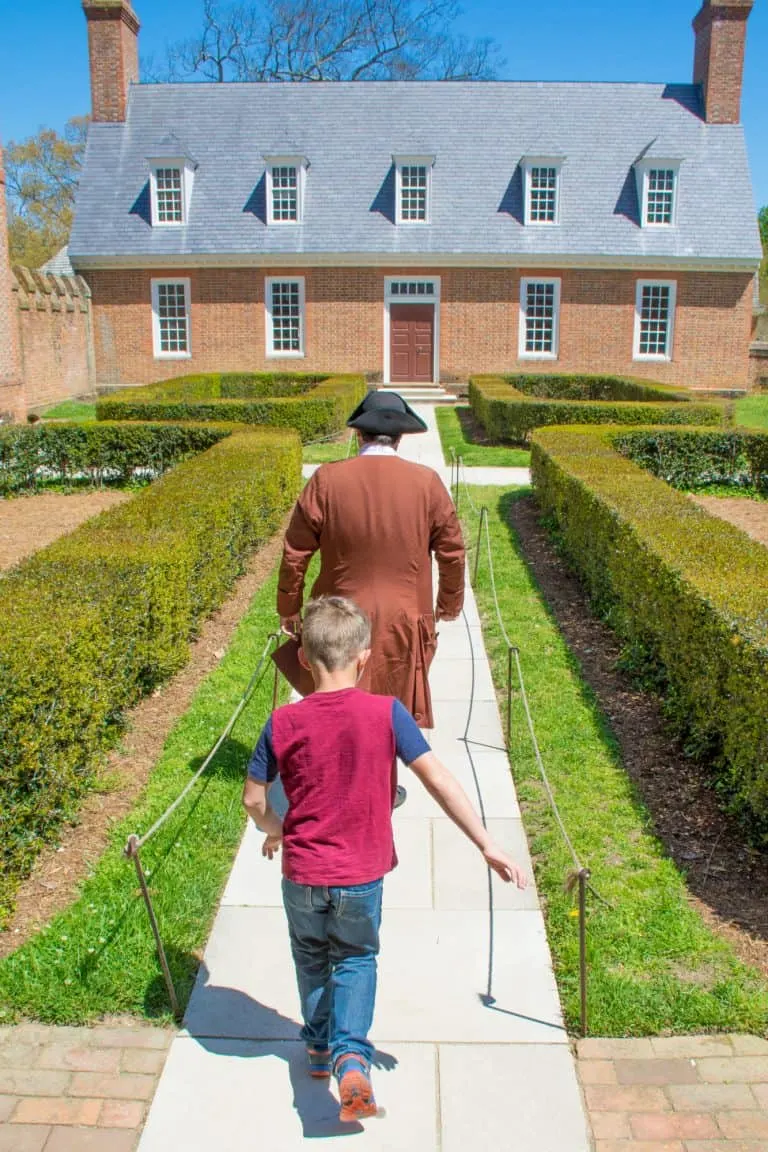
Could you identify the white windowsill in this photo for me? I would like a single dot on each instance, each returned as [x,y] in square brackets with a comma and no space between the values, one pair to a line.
[173,355]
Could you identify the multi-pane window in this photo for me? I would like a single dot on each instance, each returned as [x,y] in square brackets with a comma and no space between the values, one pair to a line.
[654,320]
[539,321]
[285,193]
[542,195]
[414,184]
[660,196]
[170,307]
[412,288]
[285,317]
[169,196]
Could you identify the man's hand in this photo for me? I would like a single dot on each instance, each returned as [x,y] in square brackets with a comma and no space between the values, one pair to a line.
[271,846]
[504,866]
[291,625]
[446,616]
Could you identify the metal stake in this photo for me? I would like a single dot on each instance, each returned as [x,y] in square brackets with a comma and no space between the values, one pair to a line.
[483,513]
[456,501]
[133,851]
[510,651]
[584,875]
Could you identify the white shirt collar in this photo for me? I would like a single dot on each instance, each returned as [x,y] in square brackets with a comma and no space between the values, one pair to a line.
[377,450]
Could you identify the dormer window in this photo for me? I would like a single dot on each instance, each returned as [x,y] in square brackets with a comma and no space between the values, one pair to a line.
[542,189]
[414,186]
[171,175]
[286,177]
[657,192]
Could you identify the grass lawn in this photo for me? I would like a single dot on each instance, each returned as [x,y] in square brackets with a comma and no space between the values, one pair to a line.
[71,410]
[655,966]
[459,431]
[98,956]
[331,450]
[752,411]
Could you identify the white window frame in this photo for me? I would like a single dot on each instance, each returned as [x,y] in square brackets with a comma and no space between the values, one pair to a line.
[271,352]
[156,329]
[390,299]
[187,178]
[522,352]
[400,162]
[300,163]
[643,173]
[529,163]
[665,357]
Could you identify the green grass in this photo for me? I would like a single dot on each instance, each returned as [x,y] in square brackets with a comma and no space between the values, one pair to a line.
[654,966]
[98,956]
[71,410]
[459,431]
[752,411]
[328,452]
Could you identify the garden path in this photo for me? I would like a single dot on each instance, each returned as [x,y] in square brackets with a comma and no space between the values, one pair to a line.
[468,1022]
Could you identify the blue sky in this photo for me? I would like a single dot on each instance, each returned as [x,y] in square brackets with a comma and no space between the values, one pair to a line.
[44,64]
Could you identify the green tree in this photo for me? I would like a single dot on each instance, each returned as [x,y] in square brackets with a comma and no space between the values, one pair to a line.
[42,173]
[762,220]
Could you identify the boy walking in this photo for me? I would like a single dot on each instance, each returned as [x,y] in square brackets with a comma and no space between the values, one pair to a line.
[336,754]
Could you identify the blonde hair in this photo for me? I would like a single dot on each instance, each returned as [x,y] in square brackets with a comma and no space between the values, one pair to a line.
[334,632]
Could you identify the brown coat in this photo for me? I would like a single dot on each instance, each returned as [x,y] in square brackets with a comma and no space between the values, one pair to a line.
[377,521]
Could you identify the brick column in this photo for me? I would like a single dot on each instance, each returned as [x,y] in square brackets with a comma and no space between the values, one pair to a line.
[721,33]
[11,384]
[113,50]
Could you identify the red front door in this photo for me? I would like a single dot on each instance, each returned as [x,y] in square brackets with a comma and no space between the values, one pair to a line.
[412,328]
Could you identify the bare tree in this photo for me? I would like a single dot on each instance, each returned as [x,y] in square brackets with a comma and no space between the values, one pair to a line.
[308,40]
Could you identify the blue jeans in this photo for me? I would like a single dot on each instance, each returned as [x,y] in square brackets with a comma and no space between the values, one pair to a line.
[335,941]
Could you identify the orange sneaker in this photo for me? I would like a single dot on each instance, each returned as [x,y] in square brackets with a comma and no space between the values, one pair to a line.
[355,1090]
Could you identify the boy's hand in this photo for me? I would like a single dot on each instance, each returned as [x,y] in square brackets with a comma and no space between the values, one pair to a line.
[271,846]
[504,866]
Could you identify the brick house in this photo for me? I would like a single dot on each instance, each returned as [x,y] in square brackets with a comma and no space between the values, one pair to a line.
[419,231]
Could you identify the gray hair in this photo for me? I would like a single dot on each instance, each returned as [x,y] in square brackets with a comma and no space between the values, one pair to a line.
[334,632]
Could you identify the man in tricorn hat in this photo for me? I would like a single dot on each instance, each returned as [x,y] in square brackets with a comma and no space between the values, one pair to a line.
[378,520]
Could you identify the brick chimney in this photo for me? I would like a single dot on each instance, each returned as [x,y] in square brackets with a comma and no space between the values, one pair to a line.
[721,33]
[113,50]
[11,389]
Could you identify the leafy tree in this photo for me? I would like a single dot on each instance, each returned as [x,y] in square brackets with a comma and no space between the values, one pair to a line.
[42,174]
[306,40]
[762,219]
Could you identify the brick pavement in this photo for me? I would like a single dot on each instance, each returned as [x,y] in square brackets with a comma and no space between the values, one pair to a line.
[78,1089]
[677,1093]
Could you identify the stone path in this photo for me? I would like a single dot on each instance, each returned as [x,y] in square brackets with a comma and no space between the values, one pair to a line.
[457,1068]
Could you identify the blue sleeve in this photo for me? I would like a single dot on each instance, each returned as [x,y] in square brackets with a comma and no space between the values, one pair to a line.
[262,765]
[408,736]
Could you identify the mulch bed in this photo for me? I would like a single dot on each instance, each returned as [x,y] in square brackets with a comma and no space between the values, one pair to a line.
[727,878]
[28,523]
[749,515]
[60,868]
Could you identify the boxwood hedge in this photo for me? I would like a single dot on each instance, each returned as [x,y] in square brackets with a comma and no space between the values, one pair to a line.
[699,456]
[63,452]
[101,616]
[315,406]
[511,407]
[687,591]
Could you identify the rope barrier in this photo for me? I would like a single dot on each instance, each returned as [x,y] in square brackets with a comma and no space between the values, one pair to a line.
[135,843]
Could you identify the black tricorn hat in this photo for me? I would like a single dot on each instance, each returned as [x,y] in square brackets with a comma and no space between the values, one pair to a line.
[385,414]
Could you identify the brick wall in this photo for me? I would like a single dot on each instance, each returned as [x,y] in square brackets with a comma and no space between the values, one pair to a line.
[11,393]
[478,324]
[721,29]
[54,327]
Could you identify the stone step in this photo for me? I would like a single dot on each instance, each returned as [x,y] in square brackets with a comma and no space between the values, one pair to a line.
[420,393]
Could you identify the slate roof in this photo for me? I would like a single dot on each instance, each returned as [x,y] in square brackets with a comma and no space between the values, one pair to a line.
[478,133]
[59,263]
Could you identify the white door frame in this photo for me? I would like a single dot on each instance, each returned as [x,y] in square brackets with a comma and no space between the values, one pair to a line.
[395,298]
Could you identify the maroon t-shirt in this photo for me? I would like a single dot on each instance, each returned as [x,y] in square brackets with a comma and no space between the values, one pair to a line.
[336,755]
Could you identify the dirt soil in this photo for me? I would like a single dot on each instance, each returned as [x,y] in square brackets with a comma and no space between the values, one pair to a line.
[60,868]
[28,523]
[749,515]
[727,879]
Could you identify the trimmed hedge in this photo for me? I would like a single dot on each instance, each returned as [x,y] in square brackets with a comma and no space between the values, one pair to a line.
[686,591]
[31,455]
[695,457]
[315,406]
[98,618]
[511,407]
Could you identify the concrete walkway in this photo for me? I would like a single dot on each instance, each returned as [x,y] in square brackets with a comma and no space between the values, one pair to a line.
[471,1047]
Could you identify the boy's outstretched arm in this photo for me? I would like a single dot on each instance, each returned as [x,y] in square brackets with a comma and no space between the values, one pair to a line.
[449,794]
[256,804]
